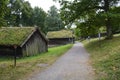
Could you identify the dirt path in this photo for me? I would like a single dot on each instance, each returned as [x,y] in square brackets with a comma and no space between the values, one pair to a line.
[74,65]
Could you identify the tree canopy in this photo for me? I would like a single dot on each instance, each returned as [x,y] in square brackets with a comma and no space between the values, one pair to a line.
[20,13]
[53,21]
[91,13]
[3,10]
[38,18]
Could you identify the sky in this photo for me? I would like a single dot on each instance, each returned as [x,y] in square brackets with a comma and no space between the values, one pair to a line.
[44,4]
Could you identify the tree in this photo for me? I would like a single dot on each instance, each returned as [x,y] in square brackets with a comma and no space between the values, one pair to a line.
[38,18]
[89,11]
[27,13]
[53,21]
[19,12]
[14,10]
[115,20]
[3,11]
[77,33]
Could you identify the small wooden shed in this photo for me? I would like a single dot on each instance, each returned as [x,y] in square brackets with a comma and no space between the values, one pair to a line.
[60,37]
[27,41]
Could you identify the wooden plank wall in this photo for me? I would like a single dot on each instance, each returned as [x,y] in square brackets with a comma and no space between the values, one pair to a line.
[35,45]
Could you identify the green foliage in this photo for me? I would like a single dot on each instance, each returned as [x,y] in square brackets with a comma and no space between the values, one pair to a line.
[21,72]
[60,34]
[19,12]
[77,32]
[95,13]
[105,56]
[14,35]
[3,11]
[115,20]
[38,18]
[87,30]
[27,13]
[53,21]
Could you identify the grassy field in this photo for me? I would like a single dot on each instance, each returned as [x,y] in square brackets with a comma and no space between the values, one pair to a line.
[28,65]
[105,56]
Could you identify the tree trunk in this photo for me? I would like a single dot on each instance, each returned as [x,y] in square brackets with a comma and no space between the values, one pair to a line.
[107,21]
[109,33]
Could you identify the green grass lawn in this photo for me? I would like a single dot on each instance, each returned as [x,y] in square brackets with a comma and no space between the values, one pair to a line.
[28,65]
[105,56]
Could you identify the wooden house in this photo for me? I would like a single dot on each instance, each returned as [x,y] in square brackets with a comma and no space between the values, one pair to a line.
[60,37]
[25,40]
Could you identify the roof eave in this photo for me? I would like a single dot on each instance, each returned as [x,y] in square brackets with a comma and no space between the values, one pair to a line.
[36,29]
[27,38]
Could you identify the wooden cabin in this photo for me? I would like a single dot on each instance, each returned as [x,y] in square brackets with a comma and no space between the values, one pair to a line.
[60,37]
[26,41]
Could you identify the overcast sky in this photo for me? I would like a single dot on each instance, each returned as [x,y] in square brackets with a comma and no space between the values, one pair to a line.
[44,4]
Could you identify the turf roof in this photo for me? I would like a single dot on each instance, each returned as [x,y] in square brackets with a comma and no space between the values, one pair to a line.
[60,34]
[14,35]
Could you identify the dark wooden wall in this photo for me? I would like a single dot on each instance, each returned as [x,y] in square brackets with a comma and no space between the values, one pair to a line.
[9,51]
[35,45]
[60,41]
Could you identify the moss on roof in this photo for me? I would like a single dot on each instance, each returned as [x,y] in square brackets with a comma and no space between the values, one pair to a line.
[60,34]
[14,35]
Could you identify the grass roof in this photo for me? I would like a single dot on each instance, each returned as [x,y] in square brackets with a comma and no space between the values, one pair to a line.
[14,35]
[60,34]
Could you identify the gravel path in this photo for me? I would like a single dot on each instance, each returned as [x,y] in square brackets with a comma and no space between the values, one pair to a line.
[73,65]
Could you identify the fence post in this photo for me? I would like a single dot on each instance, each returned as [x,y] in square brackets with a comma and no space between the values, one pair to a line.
[15,47]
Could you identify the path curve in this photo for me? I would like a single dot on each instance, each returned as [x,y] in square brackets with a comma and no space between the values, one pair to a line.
[73,65]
